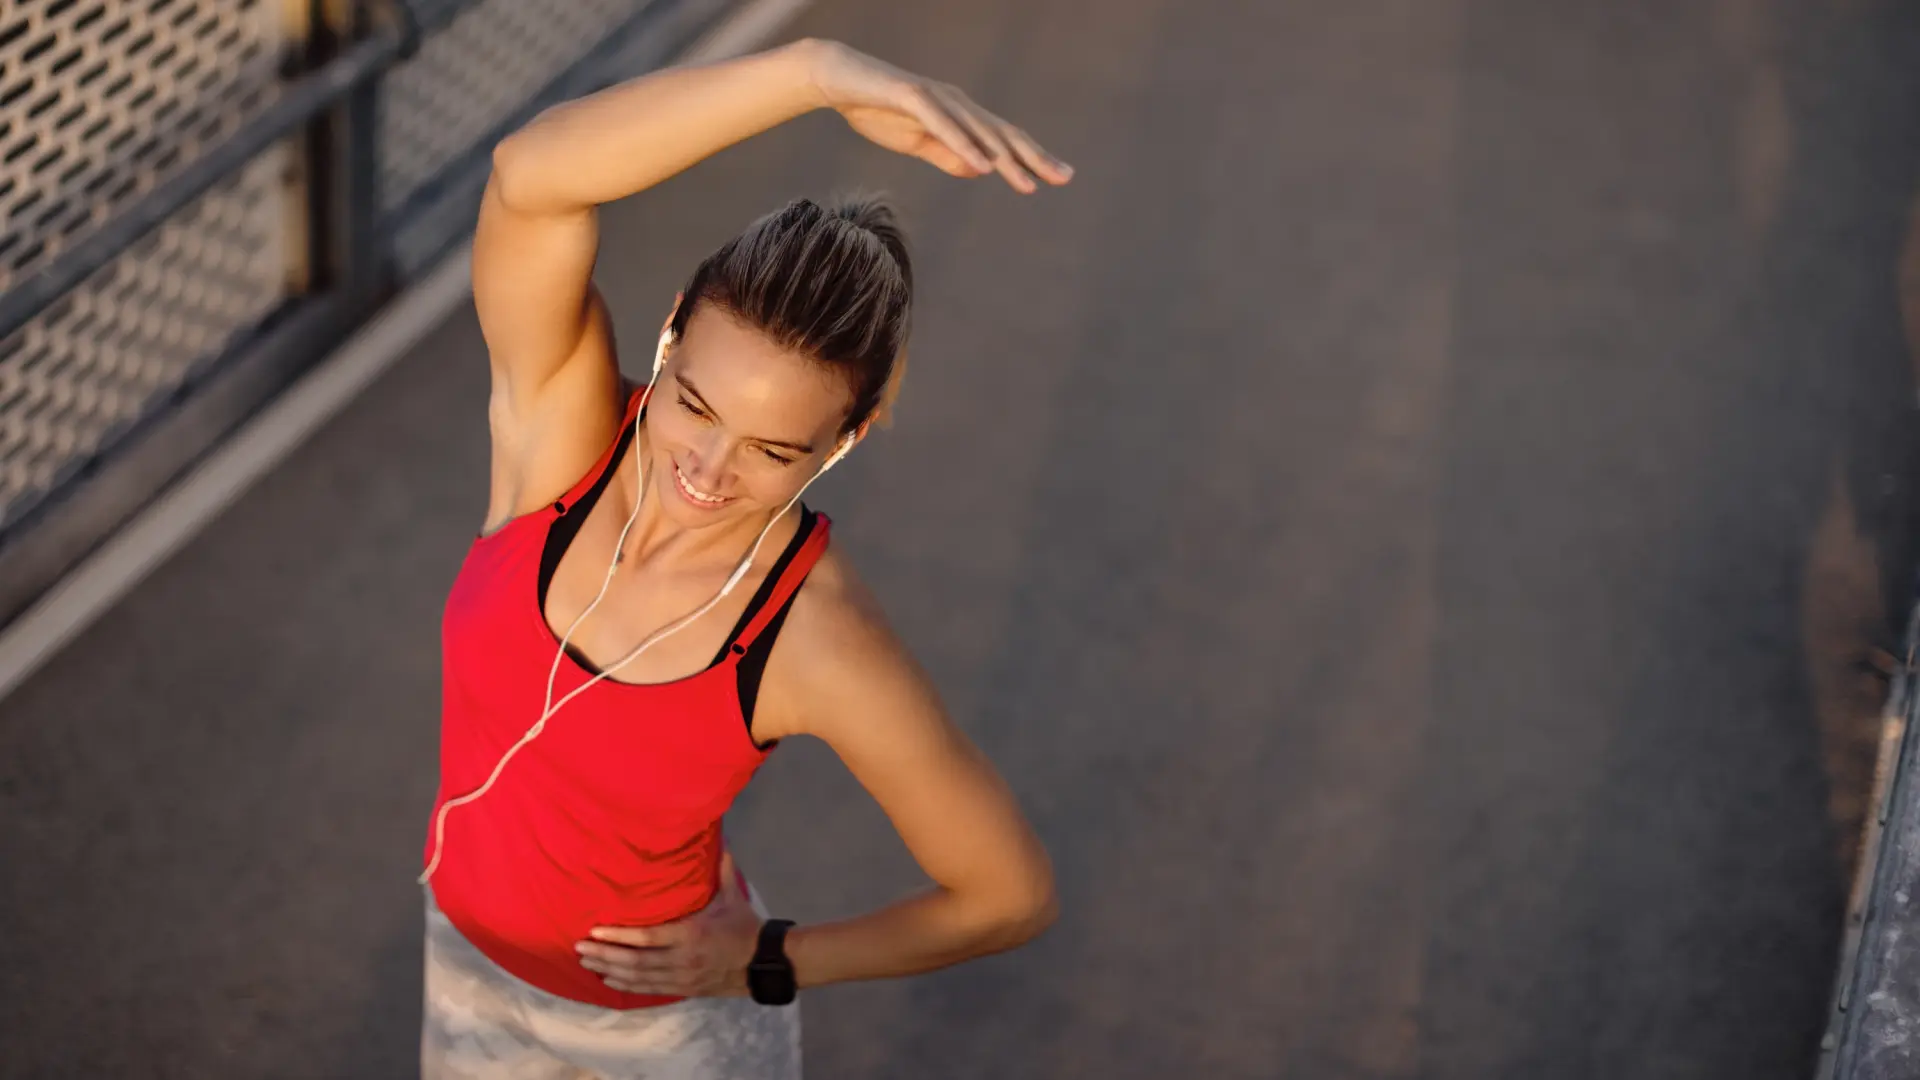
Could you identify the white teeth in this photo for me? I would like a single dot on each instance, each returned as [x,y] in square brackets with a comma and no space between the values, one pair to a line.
[687,486]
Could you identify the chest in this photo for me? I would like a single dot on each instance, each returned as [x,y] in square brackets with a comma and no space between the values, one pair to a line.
[642,598]
[615,755]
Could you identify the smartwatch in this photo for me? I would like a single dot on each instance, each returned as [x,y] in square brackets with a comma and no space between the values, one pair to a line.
[770,974]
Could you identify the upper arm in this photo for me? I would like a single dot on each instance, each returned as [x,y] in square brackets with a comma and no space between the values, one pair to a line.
[854,686]
[555,382]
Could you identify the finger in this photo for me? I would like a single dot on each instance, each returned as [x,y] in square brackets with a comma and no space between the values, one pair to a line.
[620,955]
[652,987]
[935,153]
[640,937]
[994,132]
[924,107]
[963,112]
[1037,160]
[633,965]
[984,127]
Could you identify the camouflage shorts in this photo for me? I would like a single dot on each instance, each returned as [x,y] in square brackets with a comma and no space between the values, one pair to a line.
[481,1023]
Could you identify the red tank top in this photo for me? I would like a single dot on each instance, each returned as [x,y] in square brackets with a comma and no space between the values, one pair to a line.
[612,815]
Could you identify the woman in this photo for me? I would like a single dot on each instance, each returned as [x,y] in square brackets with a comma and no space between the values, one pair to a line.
[648,610]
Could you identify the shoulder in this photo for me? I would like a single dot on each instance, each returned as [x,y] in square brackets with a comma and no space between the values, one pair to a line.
[837,659]
[836,626]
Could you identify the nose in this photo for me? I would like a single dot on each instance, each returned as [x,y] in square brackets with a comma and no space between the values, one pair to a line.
[706,464]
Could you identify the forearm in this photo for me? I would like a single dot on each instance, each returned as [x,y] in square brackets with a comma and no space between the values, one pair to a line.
[934,929]
[629,137]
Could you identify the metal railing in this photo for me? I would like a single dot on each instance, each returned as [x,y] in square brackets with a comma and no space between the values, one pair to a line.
[293,109]
[1873,1024]
[201,198]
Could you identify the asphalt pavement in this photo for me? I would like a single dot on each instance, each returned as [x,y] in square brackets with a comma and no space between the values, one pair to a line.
[1406,521]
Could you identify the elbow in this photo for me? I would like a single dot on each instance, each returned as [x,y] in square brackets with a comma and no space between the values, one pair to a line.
[509,182]
[529,180]
[523,179]
[1036,903]
[1025,913]
[1040,915]
[1020,923]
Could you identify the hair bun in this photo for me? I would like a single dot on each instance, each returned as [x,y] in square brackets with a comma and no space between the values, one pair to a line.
[871,212]
[875,214]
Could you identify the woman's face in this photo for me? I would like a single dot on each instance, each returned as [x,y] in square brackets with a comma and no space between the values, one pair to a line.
[737,424]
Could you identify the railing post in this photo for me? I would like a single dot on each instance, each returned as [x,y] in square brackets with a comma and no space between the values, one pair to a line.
[351,256]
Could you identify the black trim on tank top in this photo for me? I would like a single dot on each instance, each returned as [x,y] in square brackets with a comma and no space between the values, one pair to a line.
[753,665]
[753,657]
[565,527]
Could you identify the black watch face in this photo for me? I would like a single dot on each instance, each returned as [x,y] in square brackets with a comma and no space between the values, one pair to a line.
[771,984]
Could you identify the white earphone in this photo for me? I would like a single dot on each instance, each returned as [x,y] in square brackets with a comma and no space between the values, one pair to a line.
[550,706]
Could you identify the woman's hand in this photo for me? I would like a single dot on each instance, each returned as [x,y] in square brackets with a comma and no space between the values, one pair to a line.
[932,121]
[703,955]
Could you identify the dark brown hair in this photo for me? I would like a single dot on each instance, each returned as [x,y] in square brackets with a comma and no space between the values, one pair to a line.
[832,283]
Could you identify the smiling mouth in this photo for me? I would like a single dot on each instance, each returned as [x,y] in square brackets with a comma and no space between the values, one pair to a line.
[694,494]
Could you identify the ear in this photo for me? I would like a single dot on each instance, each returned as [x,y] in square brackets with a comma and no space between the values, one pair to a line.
[660,352]
[672,312]
[858,436]
[890,393]
[844,447]
[666,337]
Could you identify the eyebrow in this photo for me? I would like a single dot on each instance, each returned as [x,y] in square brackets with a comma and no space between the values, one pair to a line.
[798,448]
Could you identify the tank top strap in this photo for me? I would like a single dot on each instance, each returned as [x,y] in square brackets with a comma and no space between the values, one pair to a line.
[636,400]
[791,577]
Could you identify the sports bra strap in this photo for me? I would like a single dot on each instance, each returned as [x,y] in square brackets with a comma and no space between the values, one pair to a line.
[790,580]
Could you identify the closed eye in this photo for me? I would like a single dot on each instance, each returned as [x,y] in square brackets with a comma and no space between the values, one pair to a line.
[701,414]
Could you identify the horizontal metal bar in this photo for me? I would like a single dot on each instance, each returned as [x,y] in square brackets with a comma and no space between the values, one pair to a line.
[657,31]
[298,104]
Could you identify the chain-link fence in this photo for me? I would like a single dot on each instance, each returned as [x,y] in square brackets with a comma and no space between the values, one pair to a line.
[179,177]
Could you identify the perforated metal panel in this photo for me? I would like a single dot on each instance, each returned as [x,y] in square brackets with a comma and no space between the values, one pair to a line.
[428,230]
[99,98]
[468,78]
[433,14]
[132,333]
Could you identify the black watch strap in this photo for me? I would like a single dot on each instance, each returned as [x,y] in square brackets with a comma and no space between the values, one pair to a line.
[770,974]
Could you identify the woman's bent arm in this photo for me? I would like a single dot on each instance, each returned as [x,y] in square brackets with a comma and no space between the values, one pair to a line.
[860,692]
[839,674]
[556,394]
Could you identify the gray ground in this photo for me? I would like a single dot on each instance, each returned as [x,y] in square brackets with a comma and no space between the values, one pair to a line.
[1404,521]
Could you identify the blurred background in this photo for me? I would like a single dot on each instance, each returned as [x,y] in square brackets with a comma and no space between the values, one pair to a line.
[1424,522]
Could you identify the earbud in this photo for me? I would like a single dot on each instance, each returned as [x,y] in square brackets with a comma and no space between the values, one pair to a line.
[845,447]
[660,351]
